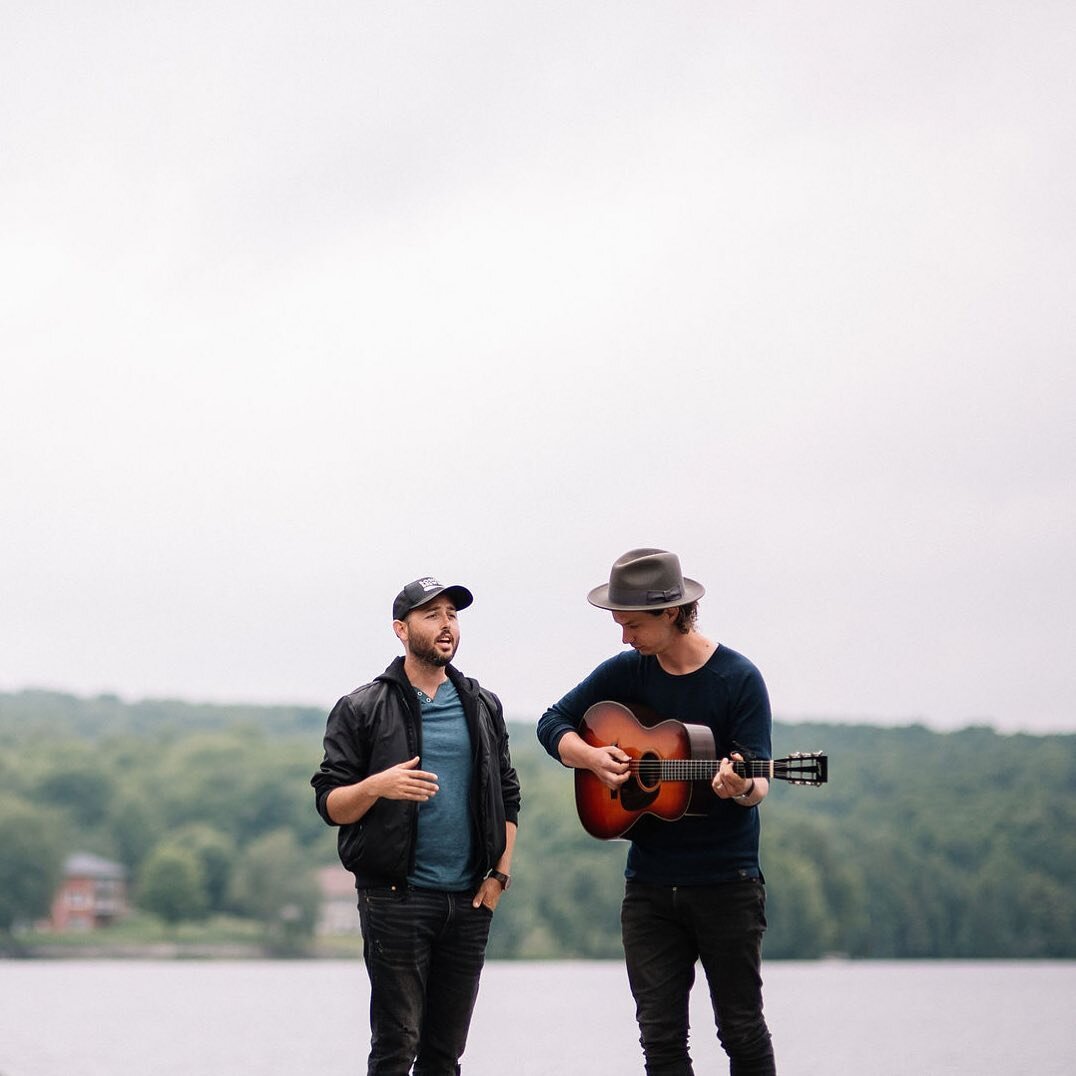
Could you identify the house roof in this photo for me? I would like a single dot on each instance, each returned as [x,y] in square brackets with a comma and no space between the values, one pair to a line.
[87,865]
[335,882]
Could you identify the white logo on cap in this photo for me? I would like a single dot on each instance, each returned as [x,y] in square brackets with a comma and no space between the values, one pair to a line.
[428,583]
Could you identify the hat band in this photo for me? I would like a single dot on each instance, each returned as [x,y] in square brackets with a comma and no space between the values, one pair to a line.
[664,595]
[623,596]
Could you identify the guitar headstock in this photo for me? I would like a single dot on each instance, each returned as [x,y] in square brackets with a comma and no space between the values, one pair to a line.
[802,768]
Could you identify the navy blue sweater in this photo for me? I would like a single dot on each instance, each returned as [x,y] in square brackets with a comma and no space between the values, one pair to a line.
[729,696]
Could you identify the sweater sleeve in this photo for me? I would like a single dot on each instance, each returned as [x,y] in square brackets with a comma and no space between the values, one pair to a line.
[605,682]
[752,722]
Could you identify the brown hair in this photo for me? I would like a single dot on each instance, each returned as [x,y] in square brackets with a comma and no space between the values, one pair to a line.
[686,616]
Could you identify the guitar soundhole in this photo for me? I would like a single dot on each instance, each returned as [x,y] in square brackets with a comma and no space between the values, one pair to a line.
[649,771]
[641,789]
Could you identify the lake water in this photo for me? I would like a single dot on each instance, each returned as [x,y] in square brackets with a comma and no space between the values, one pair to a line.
[276,1018]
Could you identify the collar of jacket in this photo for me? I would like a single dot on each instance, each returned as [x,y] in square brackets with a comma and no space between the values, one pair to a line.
[395,674]
[464,685]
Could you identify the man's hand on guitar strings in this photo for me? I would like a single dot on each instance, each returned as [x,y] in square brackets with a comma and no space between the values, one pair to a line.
[610,765]
[727,783]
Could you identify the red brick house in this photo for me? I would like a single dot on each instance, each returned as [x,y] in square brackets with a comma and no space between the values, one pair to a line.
[339,903]
[93,894]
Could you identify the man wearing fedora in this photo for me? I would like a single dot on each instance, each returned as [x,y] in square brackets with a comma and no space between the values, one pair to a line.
[694,890]
[418,776]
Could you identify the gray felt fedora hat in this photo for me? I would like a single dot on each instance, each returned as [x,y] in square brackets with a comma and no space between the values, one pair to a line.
[645,579]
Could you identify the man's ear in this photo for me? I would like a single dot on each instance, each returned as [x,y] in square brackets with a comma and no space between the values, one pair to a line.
[400,627]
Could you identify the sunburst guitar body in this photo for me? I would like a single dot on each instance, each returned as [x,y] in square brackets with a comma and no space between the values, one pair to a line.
[671,767]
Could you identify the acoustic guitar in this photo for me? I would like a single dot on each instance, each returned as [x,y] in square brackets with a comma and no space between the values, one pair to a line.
[670,769]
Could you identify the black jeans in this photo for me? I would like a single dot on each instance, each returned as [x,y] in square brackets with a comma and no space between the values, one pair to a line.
[665,930]
[424,950]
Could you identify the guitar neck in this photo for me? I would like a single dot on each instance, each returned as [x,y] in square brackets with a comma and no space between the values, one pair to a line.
[701,769]
[801,768]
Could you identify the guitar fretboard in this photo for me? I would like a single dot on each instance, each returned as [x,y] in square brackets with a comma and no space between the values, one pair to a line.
[696,769]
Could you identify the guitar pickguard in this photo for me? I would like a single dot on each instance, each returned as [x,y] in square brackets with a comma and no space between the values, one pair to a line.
[633,797]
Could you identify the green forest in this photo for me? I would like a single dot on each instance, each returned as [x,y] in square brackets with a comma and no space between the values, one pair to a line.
[922,844]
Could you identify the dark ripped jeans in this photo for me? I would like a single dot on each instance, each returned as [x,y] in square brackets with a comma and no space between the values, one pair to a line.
[424,950]
[665,930]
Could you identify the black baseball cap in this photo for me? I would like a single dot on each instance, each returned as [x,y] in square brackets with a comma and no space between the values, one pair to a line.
[424,590]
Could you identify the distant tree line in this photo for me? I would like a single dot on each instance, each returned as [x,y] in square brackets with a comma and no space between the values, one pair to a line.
[207,822]
[922,845]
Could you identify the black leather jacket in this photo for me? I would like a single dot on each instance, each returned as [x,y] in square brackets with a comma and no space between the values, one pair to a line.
[380,725]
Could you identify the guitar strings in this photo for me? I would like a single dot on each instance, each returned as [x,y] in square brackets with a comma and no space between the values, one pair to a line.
[696,769]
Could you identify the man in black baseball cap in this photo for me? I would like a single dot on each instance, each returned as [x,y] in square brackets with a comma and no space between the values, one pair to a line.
[407,757]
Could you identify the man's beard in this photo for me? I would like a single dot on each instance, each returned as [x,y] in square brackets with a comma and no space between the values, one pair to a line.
[428,654]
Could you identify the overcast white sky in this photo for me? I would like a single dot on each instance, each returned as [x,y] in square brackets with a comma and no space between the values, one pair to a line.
[301,301]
